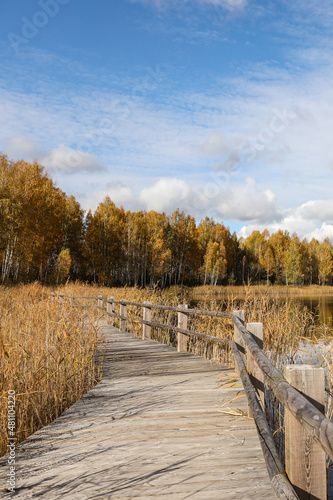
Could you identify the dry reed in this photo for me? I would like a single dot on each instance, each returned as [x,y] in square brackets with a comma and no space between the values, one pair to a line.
[226,292]
[47,357]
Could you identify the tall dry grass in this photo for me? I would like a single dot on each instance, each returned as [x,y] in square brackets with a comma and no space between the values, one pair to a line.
[286,323]
[173,296]
[47,356]
[225,292]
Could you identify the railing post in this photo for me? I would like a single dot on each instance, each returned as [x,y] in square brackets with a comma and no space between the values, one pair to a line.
[182,323]
[100,301]
[256,375]
[61,299]
[123,312]
[238,337]
[110,310]
[305,458]
[146,329]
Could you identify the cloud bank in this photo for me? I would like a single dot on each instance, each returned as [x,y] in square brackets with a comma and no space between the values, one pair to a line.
[238,203]
[68,160]
[165,195]
[61,159]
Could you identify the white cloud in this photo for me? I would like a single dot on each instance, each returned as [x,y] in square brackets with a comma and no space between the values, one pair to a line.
[61,159]
[164,4]
[166,195]
[240,202]
[229,4]
[22,147]
[215,145]
[313,219]
[316,210]
[68,160]
[120,193]
[320,233]
[248,203]
[245,202]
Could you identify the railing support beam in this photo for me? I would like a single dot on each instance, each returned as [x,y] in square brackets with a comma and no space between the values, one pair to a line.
[305,458]
[123,312]
[255,374]
[146,329]
[100,301]
[110,308]
[182,323]
[238,337]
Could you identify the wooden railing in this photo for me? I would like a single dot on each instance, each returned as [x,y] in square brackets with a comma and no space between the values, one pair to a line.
[308,433]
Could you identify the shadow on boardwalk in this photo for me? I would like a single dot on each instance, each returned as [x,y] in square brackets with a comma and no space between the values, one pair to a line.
[151,429]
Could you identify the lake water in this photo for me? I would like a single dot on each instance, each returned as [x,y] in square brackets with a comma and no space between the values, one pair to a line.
[321,305]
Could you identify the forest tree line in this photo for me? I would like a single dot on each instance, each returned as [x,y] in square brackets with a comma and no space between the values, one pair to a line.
[45,235]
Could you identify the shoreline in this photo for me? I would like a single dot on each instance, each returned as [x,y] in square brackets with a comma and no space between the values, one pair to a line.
[213,292]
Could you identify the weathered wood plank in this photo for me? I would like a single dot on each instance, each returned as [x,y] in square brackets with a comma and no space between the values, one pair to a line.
[256,375]
[110,309]
[311,418]
[151,429]
[282,487]
[238,337]
[305,458]
[123,314]
[182,323]
[146,330]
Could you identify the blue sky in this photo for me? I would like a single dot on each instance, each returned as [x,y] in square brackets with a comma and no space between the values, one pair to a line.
[222,108]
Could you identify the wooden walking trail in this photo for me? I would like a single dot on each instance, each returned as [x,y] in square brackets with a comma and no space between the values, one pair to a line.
[153,428]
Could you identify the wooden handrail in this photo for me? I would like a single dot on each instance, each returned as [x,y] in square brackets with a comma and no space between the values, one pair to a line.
[310,417]
[305,412]
[279,481]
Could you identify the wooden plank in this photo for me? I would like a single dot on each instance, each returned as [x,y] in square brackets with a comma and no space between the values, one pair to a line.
[153,428]
[305,458]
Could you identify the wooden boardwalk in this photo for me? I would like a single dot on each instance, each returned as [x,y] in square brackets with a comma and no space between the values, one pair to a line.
[151,429]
